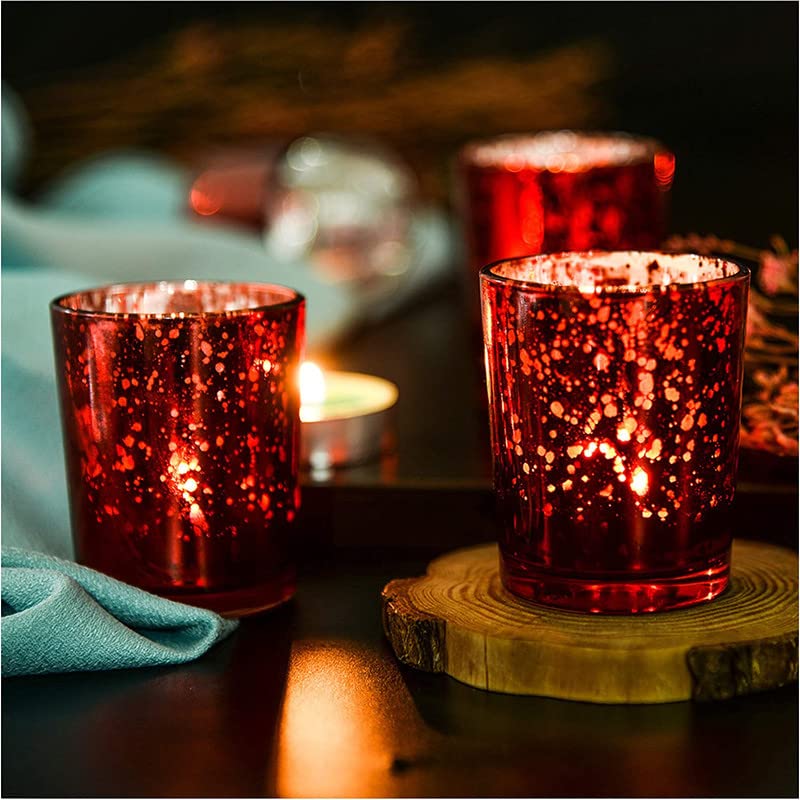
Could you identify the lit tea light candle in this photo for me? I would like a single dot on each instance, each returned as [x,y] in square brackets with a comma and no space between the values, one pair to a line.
[346,416]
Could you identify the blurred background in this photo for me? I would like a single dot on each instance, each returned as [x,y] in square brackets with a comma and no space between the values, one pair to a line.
[129,113]
[715,82]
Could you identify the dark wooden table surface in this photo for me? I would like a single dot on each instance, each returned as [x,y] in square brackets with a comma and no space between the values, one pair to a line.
[309,700]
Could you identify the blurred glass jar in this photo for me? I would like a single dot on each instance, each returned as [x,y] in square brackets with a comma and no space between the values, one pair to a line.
[342,205]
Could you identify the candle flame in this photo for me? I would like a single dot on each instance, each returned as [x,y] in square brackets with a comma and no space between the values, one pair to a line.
[639,481]
[312,391]
[183,472]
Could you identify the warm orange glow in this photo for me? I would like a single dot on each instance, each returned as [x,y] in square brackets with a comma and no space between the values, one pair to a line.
[639,481]
[197,517]
[313,391]
[664,165]
[186,484]
[203,202]
[333,719]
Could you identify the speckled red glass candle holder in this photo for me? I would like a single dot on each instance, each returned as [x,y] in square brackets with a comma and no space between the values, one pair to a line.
[614,386]
[180,411]
[559,191]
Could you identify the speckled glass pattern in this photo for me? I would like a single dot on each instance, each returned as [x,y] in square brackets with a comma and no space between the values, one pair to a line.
[614,384]
[180,411]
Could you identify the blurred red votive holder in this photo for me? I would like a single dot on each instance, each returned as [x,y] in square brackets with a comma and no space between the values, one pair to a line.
[558,191]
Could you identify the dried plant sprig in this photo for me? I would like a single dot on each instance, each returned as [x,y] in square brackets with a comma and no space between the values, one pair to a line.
[768,342]
[770,405]
[243,83]
[771,417]
[708,244]
[778,273]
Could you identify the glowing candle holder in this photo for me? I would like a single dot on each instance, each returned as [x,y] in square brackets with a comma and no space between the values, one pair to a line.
[614,386]
[559,191]
[180,412]
[346,416]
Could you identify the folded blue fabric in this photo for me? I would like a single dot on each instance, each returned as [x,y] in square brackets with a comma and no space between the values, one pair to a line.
[61,617]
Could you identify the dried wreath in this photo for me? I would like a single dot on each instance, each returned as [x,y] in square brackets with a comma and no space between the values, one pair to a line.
[770,404]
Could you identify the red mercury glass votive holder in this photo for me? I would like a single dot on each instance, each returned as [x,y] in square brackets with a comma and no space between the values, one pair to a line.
[180,409]
[614,384]
[562,190]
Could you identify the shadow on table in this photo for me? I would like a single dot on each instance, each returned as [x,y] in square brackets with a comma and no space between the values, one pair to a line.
[575,749]
[152,732]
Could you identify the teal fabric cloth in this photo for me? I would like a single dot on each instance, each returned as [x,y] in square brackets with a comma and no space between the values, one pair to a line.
[60,617]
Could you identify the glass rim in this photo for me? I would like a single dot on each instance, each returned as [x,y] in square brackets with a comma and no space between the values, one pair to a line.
[489,276]
[294,299]
[651,147]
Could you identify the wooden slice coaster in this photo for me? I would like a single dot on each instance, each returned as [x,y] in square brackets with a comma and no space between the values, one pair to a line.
[459,619]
